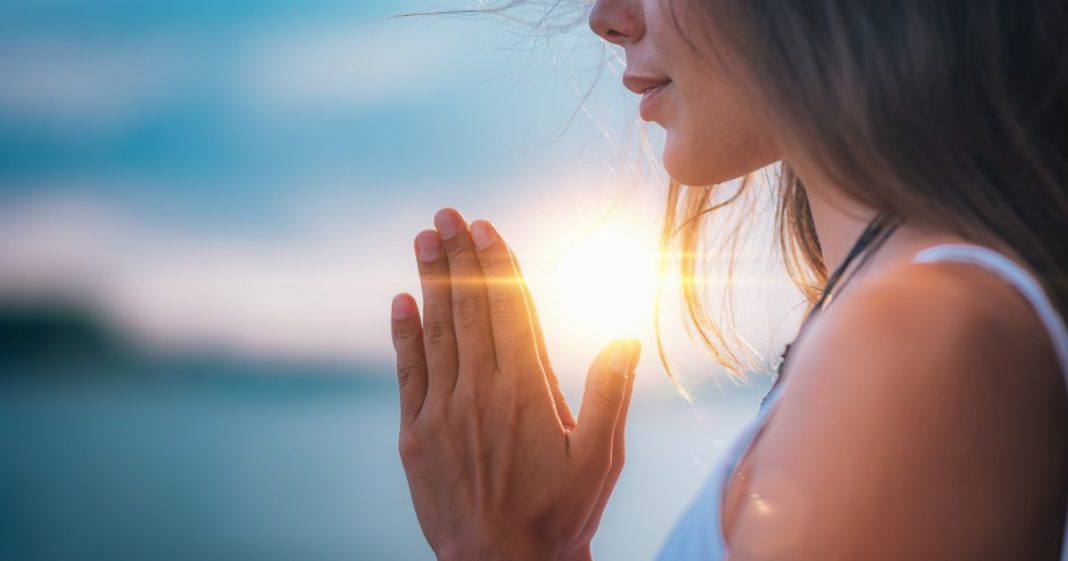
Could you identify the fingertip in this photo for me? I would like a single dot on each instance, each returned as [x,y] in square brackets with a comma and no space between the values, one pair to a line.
[403,306]
[428,246]
[482,233]
[635,352]
[622,356]
[619,358]
[448,222]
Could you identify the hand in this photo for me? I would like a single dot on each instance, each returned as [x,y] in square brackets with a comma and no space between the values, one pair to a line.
[497,466]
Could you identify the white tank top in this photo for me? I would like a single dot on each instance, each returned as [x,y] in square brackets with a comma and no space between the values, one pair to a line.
[698,536]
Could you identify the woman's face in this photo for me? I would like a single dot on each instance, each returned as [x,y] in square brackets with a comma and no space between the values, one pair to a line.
[715,129]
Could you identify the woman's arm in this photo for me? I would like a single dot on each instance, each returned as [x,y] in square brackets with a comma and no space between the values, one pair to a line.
[496,464]
[924,418]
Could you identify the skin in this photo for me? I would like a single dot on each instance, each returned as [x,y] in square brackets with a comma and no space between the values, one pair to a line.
[924,415]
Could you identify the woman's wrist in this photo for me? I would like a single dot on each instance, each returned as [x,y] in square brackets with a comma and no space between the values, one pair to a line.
[503,551]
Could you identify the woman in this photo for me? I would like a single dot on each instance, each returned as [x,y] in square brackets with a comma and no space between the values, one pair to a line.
[922,411]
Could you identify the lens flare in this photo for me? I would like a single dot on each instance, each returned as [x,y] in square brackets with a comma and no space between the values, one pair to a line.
[604,284]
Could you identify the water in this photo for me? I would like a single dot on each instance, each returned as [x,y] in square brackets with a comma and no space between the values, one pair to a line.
[228,465]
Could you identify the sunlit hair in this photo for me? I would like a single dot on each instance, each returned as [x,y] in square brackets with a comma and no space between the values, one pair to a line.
[682,245]
[952,114]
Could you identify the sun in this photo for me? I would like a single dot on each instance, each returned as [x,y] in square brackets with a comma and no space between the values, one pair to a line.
[602,287]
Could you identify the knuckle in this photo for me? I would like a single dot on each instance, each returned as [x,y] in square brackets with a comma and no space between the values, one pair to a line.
[409,445]
[496,261]
[433,273]
[504,308]
[456,251]
[604,396]
[467,308]
[436,332]
[404,332]
[407,369]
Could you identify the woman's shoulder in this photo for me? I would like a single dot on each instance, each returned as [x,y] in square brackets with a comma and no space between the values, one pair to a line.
[944,316]
[950,334]
[925,403]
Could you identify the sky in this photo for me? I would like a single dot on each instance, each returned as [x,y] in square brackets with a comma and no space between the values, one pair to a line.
[247,177]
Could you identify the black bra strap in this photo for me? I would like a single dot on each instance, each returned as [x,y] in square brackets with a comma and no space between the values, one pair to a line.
[869,241]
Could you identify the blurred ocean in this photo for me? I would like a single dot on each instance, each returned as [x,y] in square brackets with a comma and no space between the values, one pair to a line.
[249,461]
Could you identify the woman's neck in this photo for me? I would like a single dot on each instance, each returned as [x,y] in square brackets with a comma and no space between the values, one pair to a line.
[839,220]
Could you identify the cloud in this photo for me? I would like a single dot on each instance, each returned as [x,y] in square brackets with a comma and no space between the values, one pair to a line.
[75,82]
[346,65]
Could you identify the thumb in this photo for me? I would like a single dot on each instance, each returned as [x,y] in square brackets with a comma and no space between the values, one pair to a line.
[602,400]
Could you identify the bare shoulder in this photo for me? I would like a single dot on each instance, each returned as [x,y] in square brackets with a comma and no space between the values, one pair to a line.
[952,337]
[924,417]
[938,317]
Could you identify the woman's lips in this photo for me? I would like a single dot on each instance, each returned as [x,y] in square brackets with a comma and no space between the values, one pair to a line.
[649,98]
[639,84]
[650,89]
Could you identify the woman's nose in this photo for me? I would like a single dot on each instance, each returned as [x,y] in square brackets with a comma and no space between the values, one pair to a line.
[617,21]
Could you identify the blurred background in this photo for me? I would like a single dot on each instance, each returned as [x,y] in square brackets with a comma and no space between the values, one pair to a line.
[205,208]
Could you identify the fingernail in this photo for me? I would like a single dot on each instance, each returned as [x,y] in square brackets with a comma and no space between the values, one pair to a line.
[448,222]
[619,362]
[481,234]
[402,306]
[428,246]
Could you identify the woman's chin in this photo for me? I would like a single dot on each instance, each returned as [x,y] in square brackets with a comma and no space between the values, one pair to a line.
[705,168]
[689,169]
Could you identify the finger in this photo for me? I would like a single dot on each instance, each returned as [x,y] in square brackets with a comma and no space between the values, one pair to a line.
[618,457]
[470,311]
[619,436]
[562,409]
[513,334]
[439,337]
[411,363]
[606,387]
[539,337]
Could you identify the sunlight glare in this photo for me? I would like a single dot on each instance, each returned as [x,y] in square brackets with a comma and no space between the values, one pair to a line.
[604,284]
